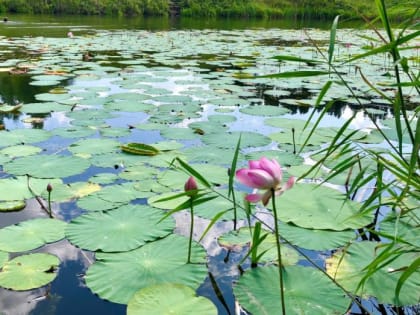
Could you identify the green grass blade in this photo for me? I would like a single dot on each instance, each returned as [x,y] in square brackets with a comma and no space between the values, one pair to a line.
[294,74]
[193,172]
[332,39]
[212,222]
[233,166]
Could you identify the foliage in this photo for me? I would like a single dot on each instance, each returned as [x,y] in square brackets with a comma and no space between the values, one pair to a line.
[210,8]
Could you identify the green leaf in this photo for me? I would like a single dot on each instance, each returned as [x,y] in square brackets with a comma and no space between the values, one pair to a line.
[117,277]
[31,234]
[169,298]
[332,40]
[295,74]
[139,149]
[29,271]
[119,230]
[305,289]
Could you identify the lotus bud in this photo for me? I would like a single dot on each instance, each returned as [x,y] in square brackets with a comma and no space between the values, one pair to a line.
[191,187]
[49,188]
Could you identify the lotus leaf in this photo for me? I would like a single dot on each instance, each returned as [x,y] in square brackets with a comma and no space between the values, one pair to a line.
[116,277]
[12,189]
[23,136]
[264,110]
[119,230]
[3,258]
[237,240]
[14,205]
[169,298]
[93,146]
[139,149]
[20,150]
[322,208]
[29,271]
[305,289]
[31,234]
[66,192]
[229,140]
[47,166]
[349,266]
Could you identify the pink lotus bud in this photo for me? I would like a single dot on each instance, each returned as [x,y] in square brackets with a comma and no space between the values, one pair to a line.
[49,188]
[191,186]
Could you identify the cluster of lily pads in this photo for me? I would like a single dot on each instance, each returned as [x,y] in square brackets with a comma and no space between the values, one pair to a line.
[114,123]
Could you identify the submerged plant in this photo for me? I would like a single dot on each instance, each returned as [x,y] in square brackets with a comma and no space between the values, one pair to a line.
[267,175]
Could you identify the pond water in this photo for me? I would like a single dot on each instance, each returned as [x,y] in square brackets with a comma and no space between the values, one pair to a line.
[163,82]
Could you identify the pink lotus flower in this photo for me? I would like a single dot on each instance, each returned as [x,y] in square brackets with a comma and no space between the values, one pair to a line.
[191,187]
[264,174]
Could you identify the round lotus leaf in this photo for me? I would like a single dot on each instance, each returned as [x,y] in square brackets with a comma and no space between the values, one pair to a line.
[95,203]
[213,173]
[119,230]
[12,189]
[130,106]
[20,150]
[29,271]
[44,83]
[350,266]
[51,97]
[116,277]
[87,147]
[172,99]
[305,289]
[320,240]
[14,205]
[168,145]
[229,140]
[178,133]
[44,108]
[287,123]
[74,132]
[92,114]
[31,234]
[128,96]
[120,193]
[284,158]
[237,240]
[206,127]
[264,110]
[103,178]
[66,192]
[322,208]
[286,137]
[169,298]
[23,136]
[221,119]
[3,258]
[47,166]
[139,173]
[208,154]
[403,227]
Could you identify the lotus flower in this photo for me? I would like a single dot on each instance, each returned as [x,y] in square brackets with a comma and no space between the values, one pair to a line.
[264,174]
[191,187]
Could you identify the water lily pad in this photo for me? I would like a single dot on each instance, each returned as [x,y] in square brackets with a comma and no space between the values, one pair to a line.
[66,192]
[29,271]
[209,154]
[47,166]
[20,150]
[322,208]
[23,136]
[3,258]
[348,267]
[237,240]
[264,110]
[169,298]
[139,149]
[87,147]
[320,240]
[285,159]
[229,140]
[305,289]
[31,234]
[12,189]
[119,230]
[116,277]
[15,205]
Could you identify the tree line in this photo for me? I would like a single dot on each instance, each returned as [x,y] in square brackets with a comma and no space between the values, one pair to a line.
[211,8]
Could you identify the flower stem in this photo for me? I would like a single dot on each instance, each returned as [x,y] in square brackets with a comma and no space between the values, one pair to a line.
[280,265]
[49,205]
[191,230]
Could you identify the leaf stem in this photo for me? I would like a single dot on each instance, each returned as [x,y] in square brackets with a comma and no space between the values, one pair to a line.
[191,230]
[280,265]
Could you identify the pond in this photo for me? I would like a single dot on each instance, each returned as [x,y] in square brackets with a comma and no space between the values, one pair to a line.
[79,89]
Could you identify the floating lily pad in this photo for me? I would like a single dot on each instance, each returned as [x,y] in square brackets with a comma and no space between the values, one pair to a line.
[47,166]
[322,208]
[66,192]
[285,159]
[348,267]
[119,230]
[305,289]
[320,240]
[116,277]
[169,298]
[264,110]
[209,154]
[229,140]
[31,234]
[237,240]
[20,150]
[15,205]
[29,271]
[23,136]
[12,189]
[87,147]
[139,149]
[3,258]
[10,108]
